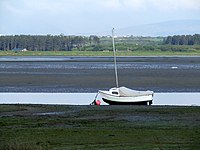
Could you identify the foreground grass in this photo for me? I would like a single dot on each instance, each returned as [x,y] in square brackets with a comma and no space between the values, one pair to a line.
[105,127]
[100,53]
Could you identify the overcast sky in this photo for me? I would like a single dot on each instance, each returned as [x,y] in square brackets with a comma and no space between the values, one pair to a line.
[89,16]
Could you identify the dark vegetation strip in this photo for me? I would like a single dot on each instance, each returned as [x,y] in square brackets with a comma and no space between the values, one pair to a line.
[106,127]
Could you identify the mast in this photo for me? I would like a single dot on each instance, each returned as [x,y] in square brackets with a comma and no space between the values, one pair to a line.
[115,62]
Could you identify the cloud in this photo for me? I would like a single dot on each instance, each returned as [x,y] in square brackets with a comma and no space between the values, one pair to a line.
[44,16]
[74,6]
[113,4]
[161,5]
[191,4]
[175,5]
[136,5]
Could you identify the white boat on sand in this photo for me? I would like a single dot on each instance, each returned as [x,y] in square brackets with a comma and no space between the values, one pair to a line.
[126,96]
[122,95]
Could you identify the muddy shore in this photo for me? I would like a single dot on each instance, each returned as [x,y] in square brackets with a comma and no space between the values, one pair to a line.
[89,74]
[38,127]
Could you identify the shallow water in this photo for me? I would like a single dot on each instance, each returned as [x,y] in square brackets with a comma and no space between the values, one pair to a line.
[182,99]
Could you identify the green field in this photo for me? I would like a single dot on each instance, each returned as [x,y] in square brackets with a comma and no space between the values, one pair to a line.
[100,53]
[26,127]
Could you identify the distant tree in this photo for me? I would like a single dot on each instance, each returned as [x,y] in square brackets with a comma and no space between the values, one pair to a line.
[183,39]
[94,40]
[168,40]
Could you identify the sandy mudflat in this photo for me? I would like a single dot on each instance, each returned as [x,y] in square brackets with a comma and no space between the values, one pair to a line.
[88,74]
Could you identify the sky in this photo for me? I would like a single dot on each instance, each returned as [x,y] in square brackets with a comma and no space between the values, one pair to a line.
[87,17]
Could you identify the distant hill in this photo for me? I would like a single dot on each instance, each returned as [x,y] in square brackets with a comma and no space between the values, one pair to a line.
[175,27]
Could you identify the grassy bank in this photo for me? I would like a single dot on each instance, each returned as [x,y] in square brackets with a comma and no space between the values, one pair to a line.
[104,127]
[100,53]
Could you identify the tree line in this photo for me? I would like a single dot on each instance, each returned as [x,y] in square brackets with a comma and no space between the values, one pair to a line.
[47,42]
[93,42]
[183,40]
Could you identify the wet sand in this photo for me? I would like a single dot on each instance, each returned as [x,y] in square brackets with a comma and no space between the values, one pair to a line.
[88,74]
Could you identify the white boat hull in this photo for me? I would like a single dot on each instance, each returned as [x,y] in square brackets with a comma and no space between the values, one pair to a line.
[138,99]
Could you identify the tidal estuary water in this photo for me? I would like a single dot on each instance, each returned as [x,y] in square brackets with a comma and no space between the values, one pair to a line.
[179,99]
[75,80]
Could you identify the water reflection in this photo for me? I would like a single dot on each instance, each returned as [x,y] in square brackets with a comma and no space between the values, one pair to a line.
[183,99]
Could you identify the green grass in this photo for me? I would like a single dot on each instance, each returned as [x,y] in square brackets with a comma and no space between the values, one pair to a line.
[104,127]
[100,53]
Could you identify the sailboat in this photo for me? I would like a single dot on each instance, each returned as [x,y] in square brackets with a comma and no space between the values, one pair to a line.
[123,95]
